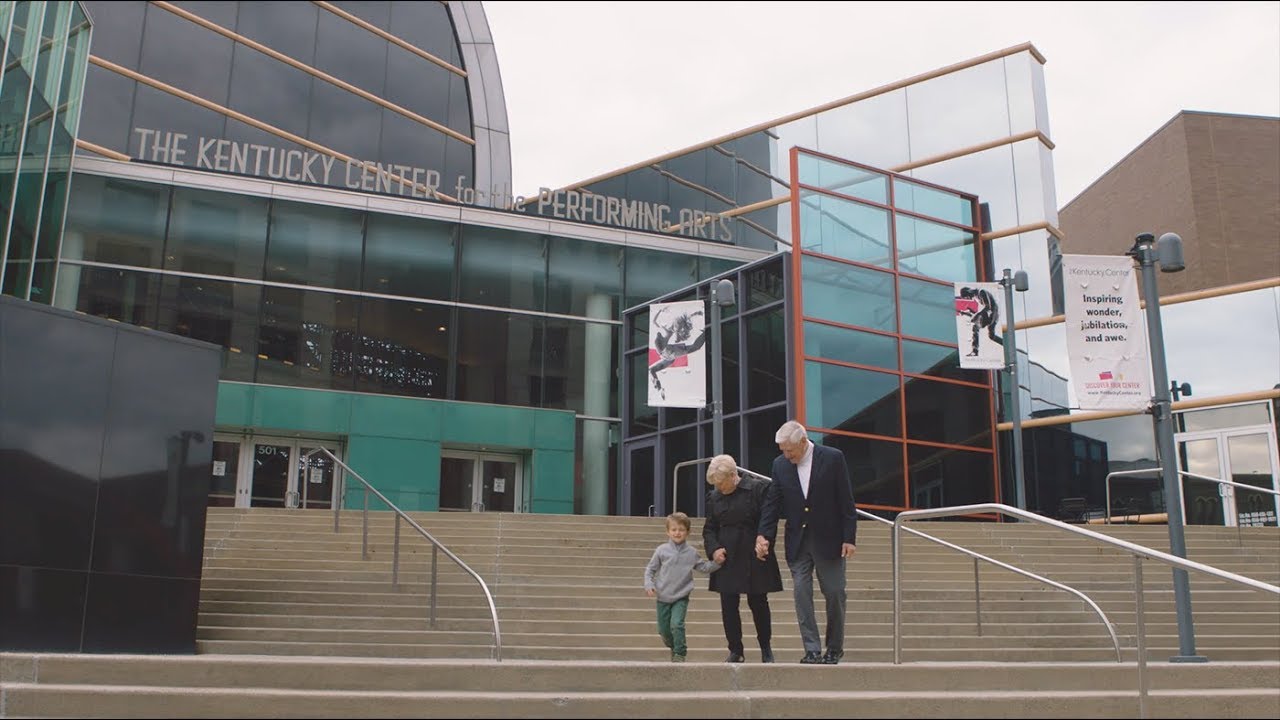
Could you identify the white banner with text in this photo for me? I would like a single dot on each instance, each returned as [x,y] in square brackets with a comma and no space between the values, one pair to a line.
[1105,333]
[677,358]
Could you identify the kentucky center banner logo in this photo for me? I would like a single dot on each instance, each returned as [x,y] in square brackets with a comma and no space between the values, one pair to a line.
[1105,333]
[677,359]
[977,319]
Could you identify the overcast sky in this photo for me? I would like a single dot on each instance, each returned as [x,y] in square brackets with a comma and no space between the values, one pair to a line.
[595,86]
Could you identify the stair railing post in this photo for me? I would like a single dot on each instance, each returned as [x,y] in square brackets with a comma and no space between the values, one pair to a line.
[435,552]
[395,556]
[977,596]
[364,538]
[897,596]
[1142,632]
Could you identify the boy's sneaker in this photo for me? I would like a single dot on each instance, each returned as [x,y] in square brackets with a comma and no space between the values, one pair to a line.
[677,658]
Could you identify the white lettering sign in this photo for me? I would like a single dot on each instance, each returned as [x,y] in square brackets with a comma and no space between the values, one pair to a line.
[317,168]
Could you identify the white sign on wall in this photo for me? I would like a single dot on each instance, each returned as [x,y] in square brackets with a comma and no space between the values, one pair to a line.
[1105,333]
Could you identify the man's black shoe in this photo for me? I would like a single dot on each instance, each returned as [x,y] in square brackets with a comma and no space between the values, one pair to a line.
[735,657]
[811,658]
[766,655]
[832,657]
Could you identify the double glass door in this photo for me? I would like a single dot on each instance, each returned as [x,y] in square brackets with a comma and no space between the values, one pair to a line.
[1243,455]
[478,482]
[271,472]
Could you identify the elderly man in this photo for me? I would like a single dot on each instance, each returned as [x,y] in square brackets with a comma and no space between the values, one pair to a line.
[811,489]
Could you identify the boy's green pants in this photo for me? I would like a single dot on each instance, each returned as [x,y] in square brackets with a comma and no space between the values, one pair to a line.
[671,625]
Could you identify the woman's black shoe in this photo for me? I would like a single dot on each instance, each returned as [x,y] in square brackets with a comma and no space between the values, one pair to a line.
[735,657]
[766,655]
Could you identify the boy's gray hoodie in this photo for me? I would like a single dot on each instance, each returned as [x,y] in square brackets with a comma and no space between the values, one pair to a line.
[670,570]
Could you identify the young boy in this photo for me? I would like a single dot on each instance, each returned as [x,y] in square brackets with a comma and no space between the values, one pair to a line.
[669,577]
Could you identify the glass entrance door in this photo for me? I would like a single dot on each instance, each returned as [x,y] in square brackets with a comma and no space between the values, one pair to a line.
[641,480]
[1244,455]
[271,472]
[476,482]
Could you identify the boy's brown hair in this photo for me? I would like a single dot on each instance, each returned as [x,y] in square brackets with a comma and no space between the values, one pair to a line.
[678,518]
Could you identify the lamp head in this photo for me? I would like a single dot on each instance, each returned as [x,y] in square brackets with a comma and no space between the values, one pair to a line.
[724,293]
[1169,253]
[1020,281]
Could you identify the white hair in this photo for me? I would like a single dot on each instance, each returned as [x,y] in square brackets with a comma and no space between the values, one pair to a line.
[791,432]
[722,467]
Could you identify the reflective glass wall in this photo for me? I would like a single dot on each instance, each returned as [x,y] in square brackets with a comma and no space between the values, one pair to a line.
[878,369]
[46,46]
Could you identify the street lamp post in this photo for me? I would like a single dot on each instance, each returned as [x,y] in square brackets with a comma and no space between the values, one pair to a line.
[1010,282]
[1147,251]
[721,297]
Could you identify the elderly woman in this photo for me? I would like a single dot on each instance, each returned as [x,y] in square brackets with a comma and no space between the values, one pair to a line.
[729,536]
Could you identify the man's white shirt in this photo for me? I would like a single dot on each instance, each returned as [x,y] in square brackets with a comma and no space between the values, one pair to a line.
[803,467]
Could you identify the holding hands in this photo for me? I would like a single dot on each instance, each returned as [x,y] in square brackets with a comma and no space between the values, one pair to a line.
[719,556]
[762,547]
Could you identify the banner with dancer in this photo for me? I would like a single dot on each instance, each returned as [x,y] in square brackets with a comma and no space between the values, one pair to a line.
[977,318]
[677,361]
[1105,334]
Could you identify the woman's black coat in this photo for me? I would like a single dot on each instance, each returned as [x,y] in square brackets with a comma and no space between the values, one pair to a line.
[731,524]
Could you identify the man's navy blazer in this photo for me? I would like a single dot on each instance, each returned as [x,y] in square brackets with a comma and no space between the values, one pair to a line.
[827,514]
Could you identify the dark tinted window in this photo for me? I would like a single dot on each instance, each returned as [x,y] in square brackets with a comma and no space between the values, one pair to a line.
[222,313]
[943,476]
[409,256]
[499,357]
[314,245]
[116,221]
[403,348]
[307,339]
[215,233]
[502,268]
[875,468]
[948,413]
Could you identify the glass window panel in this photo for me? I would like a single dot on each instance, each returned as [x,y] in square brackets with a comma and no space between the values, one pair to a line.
[288,28]
[221,12]
[1033,176]
[427,26]
[159,111]
[987,174]
[578,363]
[928,309]
[850,294]
[460,109]
[935,250]
[959,109]
[349,52]
[844,179]
[837,343]
[762,427]
[409,256]
[185,55]
[1225,417]
[121,295]
[347,123]
[765,284]
[584,278]
[730,368]
[844,398]
[871,131]
[932,202]
[875,468]
[499,357]
[290,90]
[845,229]
[108,103]
[115,31]
[307,339]
[801,133]
[503,268]
[643,418]
[314,245]
[766,358]
[460,161]
[709,267]
[944,476]
[416,152]
[654,273]
[937,361]
[217,233]
[222,313]
[948,413]
[1020,89]
[639,324]
[403,348]
[1197,335]
[116,221]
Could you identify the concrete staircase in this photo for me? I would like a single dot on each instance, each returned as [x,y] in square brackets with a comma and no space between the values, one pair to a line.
[294,623]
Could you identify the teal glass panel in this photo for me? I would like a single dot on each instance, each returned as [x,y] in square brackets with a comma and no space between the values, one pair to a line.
[217,233]
[314,245]
[412,257]
[845,229]
[844,179]
[848,294]
[855,346]
[116,221]
[937,361]
[584,278]
[928,309]
[931,201]
[654,273]
[948,413]
[845,398]
[503,268]
[936,250]
[709,267]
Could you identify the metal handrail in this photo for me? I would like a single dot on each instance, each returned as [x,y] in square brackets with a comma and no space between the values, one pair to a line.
[1183,473]
[437,546]
[1115,641]
[1139,553]
[675,476]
